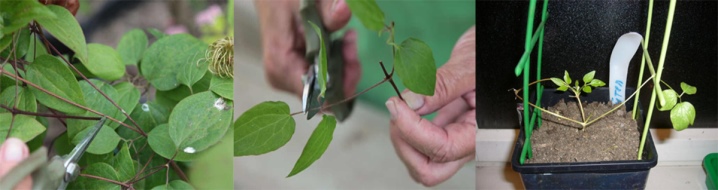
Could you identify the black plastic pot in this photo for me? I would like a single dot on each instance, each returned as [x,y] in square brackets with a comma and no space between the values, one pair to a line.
[586,175]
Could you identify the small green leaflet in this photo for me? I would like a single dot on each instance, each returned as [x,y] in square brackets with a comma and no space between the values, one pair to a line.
[683,115]
[160,141]
[199,121]
[688,89]
[671,99]
[263,128]
[566,77]
[317,144]
[98,169]
[131,46]
[66,29]
[322,60]
[50,73]
[588,77]
[104,62]
[414,64]
[105,141]
[222,86]
[25,99]
[17,14]
[173,60]
[368,13]
[25,127]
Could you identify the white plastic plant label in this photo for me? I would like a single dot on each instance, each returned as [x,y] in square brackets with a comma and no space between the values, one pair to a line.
[624,50]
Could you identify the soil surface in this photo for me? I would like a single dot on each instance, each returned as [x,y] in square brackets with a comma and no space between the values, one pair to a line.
[615,137]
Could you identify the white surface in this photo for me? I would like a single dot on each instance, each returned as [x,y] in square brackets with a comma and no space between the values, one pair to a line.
[680,156]
[621,57]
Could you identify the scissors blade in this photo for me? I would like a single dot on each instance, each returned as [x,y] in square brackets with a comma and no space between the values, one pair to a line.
[76,153]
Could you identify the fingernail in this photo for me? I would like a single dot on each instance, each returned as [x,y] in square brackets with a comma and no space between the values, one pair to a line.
[414,100]
[392,108]
[12,150]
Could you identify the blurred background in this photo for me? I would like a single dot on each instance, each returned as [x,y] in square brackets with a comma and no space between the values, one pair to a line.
[361,155]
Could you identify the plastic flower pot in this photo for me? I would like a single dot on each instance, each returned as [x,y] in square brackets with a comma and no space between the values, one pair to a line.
[710,164]
[630,174]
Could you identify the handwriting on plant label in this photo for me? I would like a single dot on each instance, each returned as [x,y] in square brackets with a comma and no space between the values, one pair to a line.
[617,95]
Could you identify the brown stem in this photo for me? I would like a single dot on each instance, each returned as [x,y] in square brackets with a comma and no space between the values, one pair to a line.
[93,85]
[105,179]
[391,79]
[179,171]
[344,100]
[143,168]
[70,102]
[18,111]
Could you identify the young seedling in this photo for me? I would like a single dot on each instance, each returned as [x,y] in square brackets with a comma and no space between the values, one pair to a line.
[588,84]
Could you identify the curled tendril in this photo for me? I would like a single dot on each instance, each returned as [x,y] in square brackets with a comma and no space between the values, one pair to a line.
[220,55]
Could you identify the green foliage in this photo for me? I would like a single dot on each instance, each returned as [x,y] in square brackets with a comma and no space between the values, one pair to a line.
[368,13]
[263,128]
[131,46]
[317,144]
[682,115]
[588,83]
[688,89]
[414,64]
[147,131]
[322,60]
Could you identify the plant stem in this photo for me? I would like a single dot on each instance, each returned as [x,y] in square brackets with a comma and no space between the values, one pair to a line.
[105,179]
[68,101]
[18,111]
[643,58]
[391,80]
[580,106]
[661,59]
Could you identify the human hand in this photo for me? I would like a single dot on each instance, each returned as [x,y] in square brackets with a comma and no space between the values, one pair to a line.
[12,152]
[284,46]
[71,5]
[434,150]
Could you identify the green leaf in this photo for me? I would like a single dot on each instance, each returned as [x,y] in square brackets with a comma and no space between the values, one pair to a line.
[21,44]
[566,77]
[105,141]
[586,89]
[172,60]
[597,83]
[149,114]
[263,128]
[123,164]
[176,184]
[94,100]
[199,121]
[588,77]
[49,73]
[559,82]
[24,127]
[222,86]
[317,144]
[127,98]
[414,63]
[25,99]
[67,30]
[322,60]
[17,14]
[368,13]
[157,33]
[104,62]
[683,115]
[671,99]
[35,50]
[562,88]
[98,169]
[688,89]
[131,46]
[160,141]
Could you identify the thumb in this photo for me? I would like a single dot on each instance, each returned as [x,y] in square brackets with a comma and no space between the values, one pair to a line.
[454,79]
[12,152]
[335,14]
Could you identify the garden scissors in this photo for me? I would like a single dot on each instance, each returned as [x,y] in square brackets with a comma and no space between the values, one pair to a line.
[55,173]
[311,102]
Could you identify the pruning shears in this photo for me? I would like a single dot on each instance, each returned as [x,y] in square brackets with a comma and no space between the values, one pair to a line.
[55,173]
[311,101]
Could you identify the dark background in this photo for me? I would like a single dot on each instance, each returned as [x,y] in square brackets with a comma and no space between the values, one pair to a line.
[579,37]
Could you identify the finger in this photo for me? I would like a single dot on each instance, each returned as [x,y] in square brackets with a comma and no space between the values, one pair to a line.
[420,168]
[449,143]
[450,112]
[12,152]
[453,79]
[352,69]
[335,14]
[285,72]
